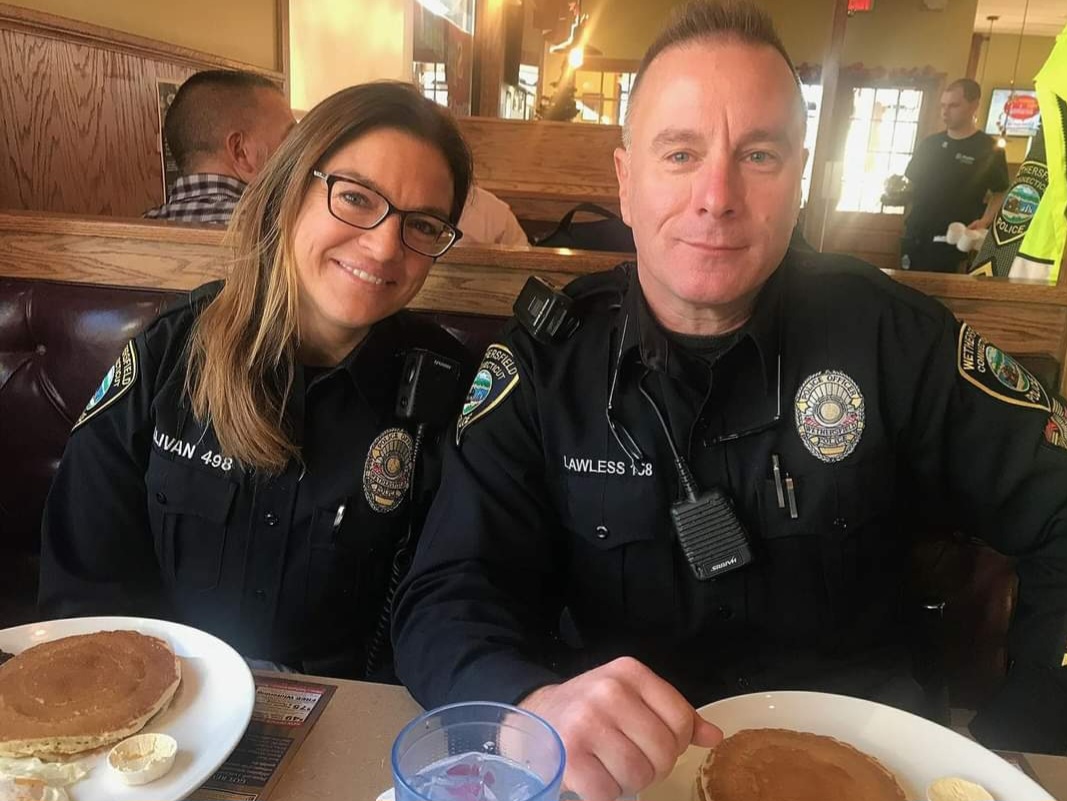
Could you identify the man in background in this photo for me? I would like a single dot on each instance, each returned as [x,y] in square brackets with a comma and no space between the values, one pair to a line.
[958,175]
[488,220]
[222,127]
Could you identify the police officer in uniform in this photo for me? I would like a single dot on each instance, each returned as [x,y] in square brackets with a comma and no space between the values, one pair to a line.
[244,468]
[712,466]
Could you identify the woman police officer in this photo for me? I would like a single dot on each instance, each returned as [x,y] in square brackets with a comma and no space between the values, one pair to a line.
[242,468]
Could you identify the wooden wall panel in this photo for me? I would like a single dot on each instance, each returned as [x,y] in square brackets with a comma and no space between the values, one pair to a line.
[563,159]
[80,127]
[875,238]
[79,124]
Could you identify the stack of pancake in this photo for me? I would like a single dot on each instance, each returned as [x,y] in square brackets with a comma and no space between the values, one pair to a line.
[783,765]
[84,692]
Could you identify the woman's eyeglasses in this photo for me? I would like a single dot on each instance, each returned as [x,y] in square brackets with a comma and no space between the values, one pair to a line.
[362,207]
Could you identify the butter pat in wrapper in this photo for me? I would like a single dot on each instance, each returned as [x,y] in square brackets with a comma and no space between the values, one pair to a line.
[952,788]
[143,758]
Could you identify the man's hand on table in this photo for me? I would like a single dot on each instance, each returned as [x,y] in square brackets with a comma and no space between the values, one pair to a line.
[623,727]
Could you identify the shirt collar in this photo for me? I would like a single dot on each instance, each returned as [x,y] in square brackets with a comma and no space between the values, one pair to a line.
[642,333]
[206,183]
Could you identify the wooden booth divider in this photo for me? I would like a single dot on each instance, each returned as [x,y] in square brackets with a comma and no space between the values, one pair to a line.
[1022,317]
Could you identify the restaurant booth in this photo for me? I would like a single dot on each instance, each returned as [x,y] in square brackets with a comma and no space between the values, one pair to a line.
[80,274]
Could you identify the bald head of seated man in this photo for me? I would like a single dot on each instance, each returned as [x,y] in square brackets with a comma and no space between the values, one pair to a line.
[222,127]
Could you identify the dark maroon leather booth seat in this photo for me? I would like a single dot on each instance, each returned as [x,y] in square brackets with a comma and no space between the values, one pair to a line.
[57,340]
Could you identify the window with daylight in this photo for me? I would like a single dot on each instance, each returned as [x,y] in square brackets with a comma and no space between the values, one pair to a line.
[459,12]
[521,101]
[882,134]
[602,97]
[430,78]
[813,100]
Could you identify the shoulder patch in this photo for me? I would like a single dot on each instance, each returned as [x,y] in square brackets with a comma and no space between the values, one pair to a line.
[996,373]
[497,376]
[830,415]
[1056,428]
[117,382]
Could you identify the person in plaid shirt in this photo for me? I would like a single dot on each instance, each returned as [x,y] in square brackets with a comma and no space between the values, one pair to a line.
[222,128]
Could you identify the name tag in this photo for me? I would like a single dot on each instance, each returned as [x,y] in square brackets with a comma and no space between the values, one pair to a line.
[190,451]
[583,465]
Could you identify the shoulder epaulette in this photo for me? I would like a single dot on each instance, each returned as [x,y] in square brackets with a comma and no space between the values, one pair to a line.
[200,296]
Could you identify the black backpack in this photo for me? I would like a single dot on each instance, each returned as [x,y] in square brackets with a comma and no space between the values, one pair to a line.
[610,233]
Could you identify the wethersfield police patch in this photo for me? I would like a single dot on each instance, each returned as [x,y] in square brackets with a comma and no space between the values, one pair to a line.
[830,415]
[497,376]
[387,473]
[117,382]
[998,374]
[1056,428]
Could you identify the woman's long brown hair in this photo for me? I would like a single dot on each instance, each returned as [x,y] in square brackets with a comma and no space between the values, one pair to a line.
[242,350]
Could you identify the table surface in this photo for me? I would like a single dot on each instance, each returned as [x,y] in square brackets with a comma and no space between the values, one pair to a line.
[346,756]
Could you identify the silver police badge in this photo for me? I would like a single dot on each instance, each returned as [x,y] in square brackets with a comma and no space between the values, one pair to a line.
[830,415]
[387,473]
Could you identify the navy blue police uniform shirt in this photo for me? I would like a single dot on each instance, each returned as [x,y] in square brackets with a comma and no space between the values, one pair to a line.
[148,516]
[881,408]
[951,178]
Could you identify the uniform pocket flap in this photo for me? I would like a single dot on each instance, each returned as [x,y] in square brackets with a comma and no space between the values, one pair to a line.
[187,491]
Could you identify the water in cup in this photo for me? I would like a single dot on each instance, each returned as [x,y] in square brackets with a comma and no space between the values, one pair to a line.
[476,777]
[478,751]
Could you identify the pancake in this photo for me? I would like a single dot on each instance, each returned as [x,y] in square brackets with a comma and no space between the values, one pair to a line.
[783,765]
[83,692]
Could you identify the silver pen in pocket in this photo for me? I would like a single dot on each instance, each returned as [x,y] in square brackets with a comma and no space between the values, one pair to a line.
[337,518]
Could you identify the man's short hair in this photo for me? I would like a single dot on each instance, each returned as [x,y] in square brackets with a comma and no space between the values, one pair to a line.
[206,108]
[704,20]
[972,92]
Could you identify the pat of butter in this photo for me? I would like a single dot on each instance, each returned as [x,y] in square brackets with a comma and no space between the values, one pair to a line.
[952,788]
[143,758]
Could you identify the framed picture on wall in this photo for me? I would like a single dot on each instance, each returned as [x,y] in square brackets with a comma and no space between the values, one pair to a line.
[166,90]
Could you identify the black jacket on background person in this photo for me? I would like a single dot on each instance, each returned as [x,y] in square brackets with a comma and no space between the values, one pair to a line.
[146,516]
[880,407]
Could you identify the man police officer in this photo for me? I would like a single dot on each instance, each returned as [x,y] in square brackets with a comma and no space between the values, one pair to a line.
[812,402]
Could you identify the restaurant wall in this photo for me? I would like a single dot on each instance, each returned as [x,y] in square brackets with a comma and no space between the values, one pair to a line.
[242,30]
[902,35]
[995,69]
[332,45]
[623,29]
[896,35]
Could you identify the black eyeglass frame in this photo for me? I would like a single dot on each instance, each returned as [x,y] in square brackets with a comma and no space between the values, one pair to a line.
[330,179]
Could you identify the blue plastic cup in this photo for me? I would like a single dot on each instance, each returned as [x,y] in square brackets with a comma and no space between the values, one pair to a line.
[478,751]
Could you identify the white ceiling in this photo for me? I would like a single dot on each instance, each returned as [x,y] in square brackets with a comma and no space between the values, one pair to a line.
[1043,18]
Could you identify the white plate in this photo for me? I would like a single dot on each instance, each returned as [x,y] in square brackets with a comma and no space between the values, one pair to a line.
[207,717]
[916,750]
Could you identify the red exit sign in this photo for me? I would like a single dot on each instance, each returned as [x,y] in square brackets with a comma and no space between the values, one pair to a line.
[860,6]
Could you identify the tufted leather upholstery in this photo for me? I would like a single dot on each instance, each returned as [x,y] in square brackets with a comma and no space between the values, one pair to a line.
[57,340]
